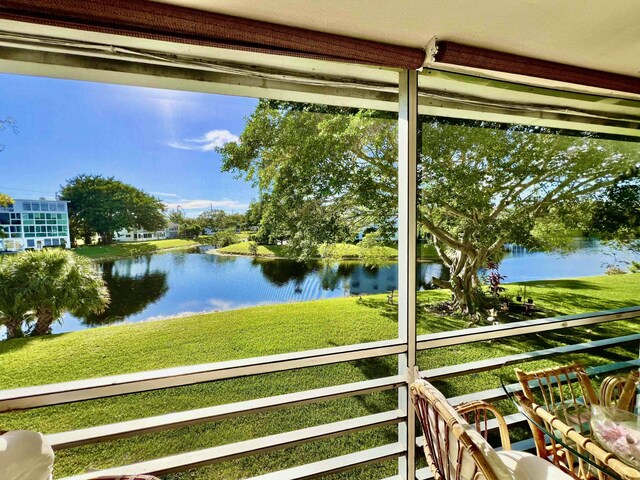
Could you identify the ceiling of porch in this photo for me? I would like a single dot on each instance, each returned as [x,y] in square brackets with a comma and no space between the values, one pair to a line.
[587,33]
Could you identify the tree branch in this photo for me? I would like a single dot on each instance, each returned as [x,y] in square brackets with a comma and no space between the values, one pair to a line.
[443,235]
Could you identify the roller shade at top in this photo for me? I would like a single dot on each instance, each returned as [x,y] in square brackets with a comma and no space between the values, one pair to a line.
[468,56]
[145,19]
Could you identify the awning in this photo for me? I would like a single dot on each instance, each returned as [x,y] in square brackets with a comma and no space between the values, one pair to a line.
[144,19]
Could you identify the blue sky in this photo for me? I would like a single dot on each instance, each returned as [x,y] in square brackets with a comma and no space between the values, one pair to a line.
[158,140]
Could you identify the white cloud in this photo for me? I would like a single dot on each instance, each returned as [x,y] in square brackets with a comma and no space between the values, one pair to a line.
[224,204]
[207,143]
[162,194]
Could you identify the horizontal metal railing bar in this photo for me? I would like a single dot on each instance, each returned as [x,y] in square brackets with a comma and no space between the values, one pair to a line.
[490,395]
[523,445]
[492,332]
[158,423]
[57,393]
[499,362]
[200,458]
[424,474]
[494,394]
[336,464]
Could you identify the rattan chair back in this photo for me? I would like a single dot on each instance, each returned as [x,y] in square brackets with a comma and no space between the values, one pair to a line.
[558,386]
[620,391]
[450,450]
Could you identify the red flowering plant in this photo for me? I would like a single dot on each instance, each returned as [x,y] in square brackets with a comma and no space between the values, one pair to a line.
[494,279]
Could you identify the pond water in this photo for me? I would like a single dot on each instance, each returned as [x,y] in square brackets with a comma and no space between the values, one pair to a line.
[183,283]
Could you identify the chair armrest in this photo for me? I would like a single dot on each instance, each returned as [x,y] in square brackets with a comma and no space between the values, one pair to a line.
[476,413]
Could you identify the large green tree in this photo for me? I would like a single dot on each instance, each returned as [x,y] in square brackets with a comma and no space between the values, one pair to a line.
[218,220]
[48,283]
[325,173]
[103,205]
[190,228]
[482,186]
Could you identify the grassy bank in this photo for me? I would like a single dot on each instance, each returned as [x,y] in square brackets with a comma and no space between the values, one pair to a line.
[132,249]
[342,251]
[269,330]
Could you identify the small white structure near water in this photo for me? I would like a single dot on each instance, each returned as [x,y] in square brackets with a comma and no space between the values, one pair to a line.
[141,235]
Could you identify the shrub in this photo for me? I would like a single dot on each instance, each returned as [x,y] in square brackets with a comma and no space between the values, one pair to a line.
[614,270]
[224,238]
[43,285]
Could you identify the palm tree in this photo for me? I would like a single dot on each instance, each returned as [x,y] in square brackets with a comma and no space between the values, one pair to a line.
[14,308]
[56,281]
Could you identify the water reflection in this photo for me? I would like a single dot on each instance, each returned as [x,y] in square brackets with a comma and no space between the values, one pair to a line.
[131,292]
[184,283]
[280,272]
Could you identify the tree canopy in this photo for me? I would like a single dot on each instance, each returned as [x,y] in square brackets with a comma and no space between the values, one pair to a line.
[218,220]
[484,185]
[325,174]
[103,205]
[5,200]
[616,213]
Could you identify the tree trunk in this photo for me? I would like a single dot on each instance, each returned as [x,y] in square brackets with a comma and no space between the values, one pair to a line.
[44,320]
[464,284]
[14,328]
[106,238]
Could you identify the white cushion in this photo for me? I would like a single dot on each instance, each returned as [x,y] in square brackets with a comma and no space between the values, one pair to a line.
[525,466]
[25,455]
[500,470]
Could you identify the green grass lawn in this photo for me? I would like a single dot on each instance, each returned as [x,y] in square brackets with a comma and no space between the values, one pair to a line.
[344,251]
[242,248]
[131,249]
[269,330]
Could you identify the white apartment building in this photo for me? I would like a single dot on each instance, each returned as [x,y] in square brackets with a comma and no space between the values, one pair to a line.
[34,224]
[140,234]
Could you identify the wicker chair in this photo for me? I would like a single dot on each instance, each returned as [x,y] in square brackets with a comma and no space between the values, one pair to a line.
[456,451]
[619,391]
[561,405]
[564,390]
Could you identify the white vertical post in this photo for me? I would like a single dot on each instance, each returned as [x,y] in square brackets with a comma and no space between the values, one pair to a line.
[407,235]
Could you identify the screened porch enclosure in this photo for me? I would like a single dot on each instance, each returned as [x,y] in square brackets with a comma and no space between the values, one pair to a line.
[133,44]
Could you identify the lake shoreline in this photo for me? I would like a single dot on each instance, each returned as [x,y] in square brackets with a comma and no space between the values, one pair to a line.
[318,259]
